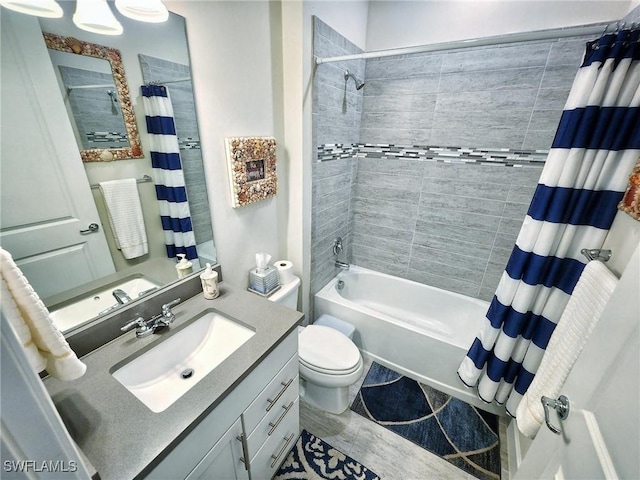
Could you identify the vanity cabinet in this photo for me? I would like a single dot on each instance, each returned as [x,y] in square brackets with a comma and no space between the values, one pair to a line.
[248,434]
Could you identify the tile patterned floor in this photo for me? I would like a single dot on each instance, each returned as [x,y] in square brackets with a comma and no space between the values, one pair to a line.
[389,455]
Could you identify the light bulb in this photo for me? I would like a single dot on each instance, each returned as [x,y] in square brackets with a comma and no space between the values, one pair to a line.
[152,11]
[96,16]
[39,8]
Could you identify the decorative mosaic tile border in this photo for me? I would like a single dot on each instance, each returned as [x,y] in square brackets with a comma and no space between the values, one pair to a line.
[480,156]
[188,143]
[103,137]
[336,151]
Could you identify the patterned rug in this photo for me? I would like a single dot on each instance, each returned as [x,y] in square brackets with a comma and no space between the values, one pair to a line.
[311,458]
[450,428]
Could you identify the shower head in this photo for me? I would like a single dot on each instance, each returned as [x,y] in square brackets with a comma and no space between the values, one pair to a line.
[359,84]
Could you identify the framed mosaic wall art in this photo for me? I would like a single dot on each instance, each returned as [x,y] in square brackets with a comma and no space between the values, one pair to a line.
[252,169]
[631,200]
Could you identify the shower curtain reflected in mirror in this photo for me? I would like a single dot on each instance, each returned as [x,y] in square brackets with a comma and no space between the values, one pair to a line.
[168,174]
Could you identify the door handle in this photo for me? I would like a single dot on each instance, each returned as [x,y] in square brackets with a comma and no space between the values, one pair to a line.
[561,405]
[92,228]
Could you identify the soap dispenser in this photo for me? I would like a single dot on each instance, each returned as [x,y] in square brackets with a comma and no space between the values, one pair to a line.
[209,279]
[184,266]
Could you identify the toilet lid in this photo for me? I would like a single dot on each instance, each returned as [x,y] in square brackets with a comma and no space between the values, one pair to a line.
[327,348]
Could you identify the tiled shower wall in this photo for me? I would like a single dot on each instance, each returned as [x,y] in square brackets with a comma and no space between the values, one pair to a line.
[184,111]
[441,219]
[505,96]
[336,118]
[98,119]
[447,224]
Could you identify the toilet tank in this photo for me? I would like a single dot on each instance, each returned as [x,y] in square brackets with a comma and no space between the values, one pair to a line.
[287,294]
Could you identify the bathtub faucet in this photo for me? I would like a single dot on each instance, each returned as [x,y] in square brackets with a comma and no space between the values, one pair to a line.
[342,265]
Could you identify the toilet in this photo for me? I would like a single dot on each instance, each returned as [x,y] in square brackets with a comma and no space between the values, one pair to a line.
[328,361]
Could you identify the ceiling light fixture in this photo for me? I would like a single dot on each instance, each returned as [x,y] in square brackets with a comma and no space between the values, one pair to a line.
[152,11]
[39,8]
[95,16]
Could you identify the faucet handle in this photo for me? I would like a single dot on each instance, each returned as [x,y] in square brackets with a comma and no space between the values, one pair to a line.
[139,324]
[167,314]
[166,308]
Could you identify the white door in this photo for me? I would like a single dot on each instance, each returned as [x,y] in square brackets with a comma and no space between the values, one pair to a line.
[46,199]
[601,436]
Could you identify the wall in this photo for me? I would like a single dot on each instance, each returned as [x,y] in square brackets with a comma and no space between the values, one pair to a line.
[453,225]
[407,23]
[235,82]
[507,96]
[337,108]
[439,220]
[350,17]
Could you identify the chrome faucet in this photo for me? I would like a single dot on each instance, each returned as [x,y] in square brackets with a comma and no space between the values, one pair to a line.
[342,265]
[121,296]
[337,250]
[144,327]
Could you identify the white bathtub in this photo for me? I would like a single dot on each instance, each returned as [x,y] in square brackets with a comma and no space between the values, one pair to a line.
[206,254]
[420,331]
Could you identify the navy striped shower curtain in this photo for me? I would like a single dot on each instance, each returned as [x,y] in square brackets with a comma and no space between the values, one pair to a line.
[584,178]
[167,172]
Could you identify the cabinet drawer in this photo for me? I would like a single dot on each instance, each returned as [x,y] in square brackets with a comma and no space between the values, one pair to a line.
[270,424]
[269,458]
[268,399]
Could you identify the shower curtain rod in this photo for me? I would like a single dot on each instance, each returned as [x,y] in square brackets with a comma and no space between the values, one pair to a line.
[591,29]
[177,80]
[75,87]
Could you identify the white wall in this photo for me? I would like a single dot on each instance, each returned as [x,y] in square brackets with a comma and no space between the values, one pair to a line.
[347,17]
[394,24]
[233,67]
[297,134]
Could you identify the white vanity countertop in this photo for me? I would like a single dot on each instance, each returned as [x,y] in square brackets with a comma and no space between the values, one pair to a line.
[119,435]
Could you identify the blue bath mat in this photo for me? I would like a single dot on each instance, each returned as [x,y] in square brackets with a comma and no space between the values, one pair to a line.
[311,458]
[463,435]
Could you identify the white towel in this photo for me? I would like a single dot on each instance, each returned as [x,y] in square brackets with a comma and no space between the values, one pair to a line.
[125,216]
[587,302]
[43,343]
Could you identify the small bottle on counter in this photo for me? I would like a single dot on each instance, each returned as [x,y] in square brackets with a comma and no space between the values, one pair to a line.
[209,279]
[184,266]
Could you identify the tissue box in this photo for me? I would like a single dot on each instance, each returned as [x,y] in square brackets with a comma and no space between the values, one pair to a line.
[263,280]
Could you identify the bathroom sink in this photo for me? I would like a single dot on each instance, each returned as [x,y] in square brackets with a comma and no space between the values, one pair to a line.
[163,374]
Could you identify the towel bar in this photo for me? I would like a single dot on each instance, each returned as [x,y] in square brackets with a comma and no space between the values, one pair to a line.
[144,179]
[596,254]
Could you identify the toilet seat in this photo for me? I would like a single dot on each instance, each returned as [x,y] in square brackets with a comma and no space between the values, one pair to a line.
[327,371]
[327,351]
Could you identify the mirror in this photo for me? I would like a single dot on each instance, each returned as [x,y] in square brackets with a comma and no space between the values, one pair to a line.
[146,52]
[96,93]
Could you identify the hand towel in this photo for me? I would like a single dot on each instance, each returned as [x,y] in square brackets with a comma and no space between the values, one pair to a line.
[45,347]
[587,302]
[125,216]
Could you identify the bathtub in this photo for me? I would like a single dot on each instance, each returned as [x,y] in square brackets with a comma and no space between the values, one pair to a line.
[206,254]
[420,331]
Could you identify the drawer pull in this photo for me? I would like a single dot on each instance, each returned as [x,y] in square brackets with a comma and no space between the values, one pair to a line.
[282,450]
[242,438]
[275,425]
[285,385]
